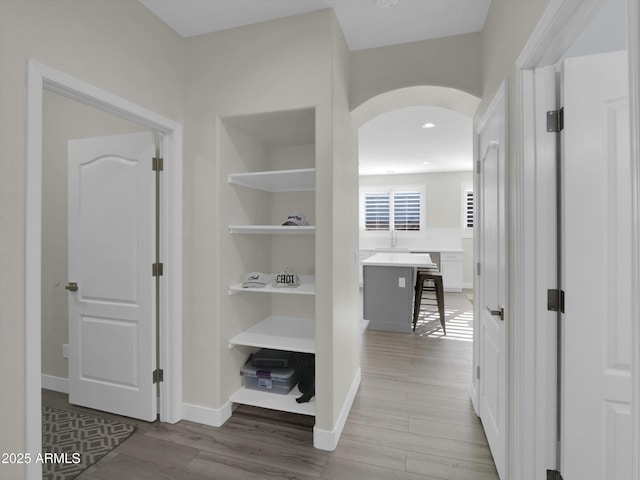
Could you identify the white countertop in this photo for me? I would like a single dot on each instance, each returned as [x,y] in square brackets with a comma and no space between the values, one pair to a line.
[414,250]
[440,250]
[392,259]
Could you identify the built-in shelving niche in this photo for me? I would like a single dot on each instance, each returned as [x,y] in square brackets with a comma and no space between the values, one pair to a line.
[271,172]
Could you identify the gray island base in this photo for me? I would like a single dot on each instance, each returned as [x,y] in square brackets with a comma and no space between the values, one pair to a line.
[388,282]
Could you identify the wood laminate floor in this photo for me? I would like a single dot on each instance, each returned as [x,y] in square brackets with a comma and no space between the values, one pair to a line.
[412,419]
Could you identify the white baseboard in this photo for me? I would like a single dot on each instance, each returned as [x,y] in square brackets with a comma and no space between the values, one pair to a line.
[206,415]
[328,439]
[322,439]
[195,413]
[473,395]
[57,384]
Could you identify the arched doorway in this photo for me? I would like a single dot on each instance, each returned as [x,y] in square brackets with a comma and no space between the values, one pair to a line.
[450,231]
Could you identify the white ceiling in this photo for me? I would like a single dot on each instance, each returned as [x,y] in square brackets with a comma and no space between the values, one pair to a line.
[396,143]
[393,142]
[364,23]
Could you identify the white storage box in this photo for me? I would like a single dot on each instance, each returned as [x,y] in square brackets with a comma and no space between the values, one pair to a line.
[269,379]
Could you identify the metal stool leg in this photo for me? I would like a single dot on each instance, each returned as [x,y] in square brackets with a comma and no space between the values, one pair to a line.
[438,289]
[418,299]
[440,300]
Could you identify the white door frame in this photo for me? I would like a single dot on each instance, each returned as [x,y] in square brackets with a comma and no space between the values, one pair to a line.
[40,78]
[560,24]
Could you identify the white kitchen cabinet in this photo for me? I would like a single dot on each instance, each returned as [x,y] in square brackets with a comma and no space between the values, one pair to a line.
[451,268]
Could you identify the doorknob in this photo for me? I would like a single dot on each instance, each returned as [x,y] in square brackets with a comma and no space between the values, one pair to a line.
[498,313]
[72,287]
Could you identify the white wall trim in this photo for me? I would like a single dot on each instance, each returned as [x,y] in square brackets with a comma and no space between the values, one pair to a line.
[633,38]
[39,78]
[536,234]
[214,417]
[328,439]
[557,28]
[561,23]
[33,270]
[473,395]
[55,384]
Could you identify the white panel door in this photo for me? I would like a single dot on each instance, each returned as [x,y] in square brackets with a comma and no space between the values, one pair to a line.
[492,288]
[596,403]
[111,251]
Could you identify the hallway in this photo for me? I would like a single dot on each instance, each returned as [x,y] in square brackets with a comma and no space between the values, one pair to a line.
[413,412]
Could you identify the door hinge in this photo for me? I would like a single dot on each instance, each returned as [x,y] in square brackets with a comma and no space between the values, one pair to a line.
[478,372]
[157,269]
[157,164]
[478,268]
[158,375]
[555,300]
[554,475]
[555,120]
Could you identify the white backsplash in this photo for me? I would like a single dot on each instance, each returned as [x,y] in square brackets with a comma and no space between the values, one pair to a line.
[433,239]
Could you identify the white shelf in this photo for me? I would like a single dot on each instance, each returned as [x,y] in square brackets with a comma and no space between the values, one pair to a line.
[273,229]
[307,287]
[302,180]
[274,401]
[279,333]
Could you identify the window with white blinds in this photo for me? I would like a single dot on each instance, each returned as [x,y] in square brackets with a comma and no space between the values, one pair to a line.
[467,207]
[469,210]
[406,211]
[377,211]
[400,208]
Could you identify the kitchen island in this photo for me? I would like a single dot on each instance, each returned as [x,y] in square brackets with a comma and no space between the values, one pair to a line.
[388,288]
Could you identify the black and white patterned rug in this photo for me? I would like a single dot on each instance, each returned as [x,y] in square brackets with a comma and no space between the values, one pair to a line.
[71,442]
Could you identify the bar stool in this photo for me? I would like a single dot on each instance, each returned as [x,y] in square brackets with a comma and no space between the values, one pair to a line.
[429,281]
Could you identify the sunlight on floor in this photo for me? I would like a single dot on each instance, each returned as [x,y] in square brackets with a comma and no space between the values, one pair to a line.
[458,320]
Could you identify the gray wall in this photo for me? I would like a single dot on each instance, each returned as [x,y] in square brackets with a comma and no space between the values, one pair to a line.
[454,62]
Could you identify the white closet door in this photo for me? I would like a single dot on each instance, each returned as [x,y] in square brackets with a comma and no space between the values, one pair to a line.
[111,251]
[596,403]
[493,318]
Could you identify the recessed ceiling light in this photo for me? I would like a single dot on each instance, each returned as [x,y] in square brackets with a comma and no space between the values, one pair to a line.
[426,163]
[428,125]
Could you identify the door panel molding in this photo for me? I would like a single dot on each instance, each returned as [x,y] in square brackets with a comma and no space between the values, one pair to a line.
[111,244]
